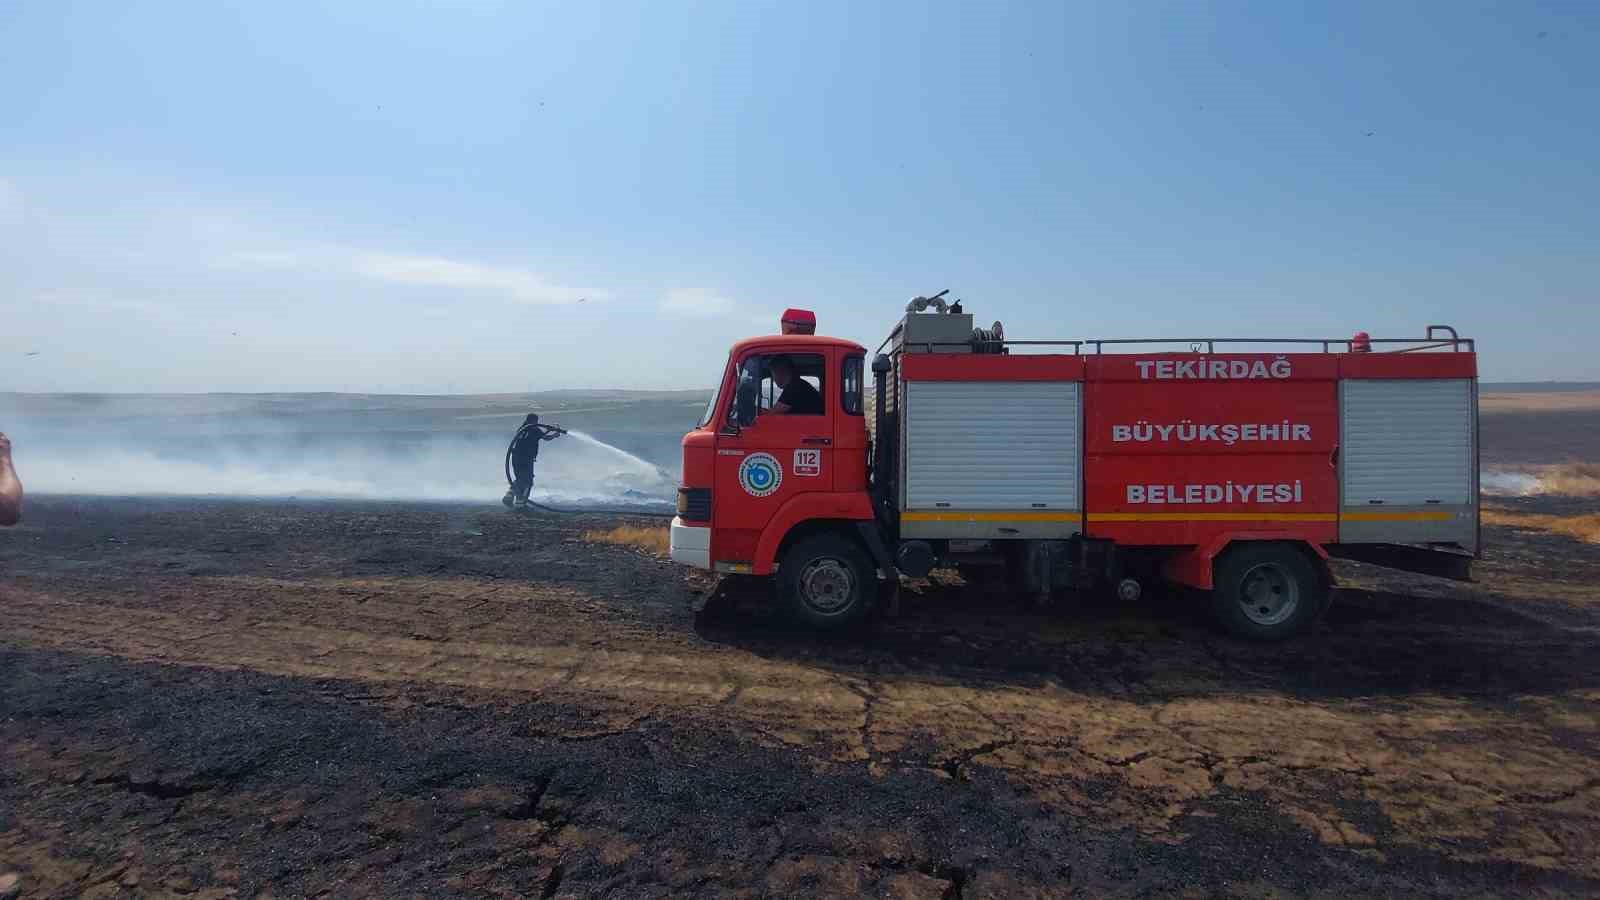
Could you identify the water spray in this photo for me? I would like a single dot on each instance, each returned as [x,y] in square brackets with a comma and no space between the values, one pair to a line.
[523,452]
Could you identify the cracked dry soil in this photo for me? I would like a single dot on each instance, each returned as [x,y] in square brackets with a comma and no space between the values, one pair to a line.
[231,698]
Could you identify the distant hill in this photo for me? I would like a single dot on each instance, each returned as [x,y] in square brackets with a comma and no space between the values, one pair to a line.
[238,415]
[296,405]
[1536,387]
[345,434]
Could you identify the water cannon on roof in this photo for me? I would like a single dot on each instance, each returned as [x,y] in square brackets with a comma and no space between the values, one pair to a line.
[932,325]
[921,304]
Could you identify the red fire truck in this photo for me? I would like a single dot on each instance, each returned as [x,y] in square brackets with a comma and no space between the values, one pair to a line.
[1236,466]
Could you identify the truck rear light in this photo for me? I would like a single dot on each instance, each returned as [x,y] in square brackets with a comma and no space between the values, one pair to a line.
[694,504]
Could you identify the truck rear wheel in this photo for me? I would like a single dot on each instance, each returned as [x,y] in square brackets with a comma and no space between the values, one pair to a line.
[825,581]
[1267,592]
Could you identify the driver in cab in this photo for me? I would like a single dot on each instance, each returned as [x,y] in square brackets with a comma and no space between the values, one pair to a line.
[799,398]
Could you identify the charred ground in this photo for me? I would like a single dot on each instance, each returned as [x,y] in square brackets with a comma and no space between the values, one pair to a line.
[292,698]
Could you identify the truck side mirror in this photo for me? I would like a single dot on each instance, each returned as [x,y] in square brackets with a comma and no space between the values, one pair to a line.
[747,396]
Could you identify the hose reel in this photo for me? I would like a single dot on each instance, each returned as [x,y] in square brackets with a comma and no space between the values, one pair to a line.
[989,340]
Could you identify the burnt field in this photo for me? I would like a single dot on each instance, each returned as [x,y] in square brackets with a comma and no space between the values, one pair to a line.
[1524,437]
[277,697]
[248,698]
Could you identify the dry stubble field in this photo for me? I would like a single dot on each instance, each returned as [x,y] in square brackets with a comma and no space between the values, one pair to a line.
[215,698]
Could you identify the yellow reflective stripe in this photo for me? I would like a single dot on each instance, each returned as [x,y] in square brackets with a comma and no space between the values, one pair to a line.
[1035,516]
[1429,516]
[1213,517]
[921,515]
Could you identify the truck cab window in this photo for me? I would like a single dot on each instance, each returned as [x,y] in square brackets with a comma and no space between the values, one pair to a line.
[850,385]
[791,383]
[711,407]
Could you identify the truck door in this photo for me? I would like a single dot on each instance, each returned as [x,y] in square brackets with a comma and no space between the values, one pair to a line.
[763,465]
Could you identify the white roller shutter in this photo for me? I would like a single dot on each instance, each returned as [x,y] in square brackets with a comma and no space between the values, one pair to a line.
[1407,442]
[992,445]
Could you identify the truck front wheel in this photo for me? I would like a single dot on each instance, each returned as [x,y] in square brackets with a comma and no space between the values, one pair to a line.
[1267,592]
[825,581]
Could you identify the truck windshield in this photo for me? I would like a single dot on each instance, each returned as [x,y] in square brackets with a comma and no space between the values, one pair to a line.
[711,407]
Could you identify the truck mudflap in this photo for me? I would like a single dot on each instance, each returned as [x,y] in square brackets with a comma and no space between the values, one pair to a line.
[880,553]
[1441,562]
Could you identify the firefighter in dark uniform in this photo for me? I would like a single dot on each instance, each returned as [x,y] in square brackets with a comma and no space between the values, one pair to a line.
[520,456]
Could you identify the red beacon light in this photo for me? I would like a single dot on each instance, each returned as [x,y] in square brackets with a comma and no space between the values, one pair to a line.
[799,321]
[1361,342]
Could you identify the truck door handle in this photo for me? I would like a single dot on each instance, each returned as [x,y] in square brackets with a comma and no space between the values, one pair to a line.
[817,440]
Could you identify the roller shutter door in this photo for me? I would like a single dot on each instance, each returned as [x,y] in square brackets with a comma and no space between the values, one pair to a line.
[1407,442]
[992,445]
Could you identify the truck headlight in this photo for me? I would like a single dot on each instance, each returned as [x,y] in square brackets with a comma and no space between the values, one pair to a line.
[694,504]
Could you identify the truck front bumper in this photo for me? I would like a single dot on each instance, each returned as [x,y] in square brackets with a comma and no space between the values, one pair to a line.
[691,544]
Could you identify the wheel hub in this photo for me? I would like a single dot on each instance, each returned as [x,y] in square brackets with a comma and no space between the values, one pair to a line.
[1268,594]
[827,586]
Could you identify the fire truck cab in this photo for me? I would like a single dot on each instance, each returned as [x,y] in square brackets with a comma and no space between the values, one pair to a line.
[1082,464]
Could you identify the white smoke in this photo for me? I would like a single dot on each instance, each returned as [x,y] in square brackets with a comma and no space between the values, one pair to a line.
[576,470]
[1509,484]
[374,448]
[596,473]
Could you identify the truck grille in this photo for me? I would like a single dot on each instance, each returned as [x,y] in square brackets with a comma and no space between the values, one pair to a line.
[694,504]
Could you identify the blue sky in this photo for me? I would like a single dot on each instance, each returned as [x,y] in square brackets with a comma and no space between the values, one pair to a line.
[393,196]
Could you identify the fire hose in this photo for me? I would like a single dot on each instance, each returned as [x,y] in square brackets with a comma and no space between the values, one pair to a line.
[601,510]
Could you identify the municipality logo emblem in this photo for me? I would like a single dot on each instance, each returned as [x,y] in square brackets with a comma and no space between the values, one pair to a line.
[760,474]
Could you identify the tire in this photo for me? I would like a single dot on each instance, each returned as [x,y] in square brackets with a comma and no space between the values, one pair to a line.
[826,581]
[1268,591]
